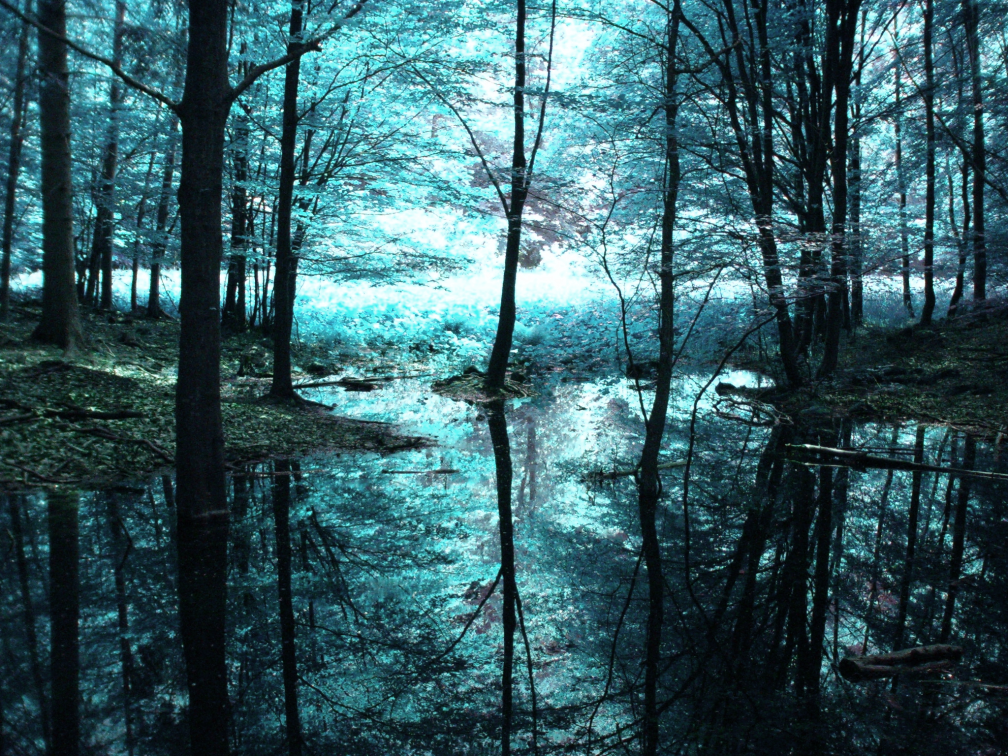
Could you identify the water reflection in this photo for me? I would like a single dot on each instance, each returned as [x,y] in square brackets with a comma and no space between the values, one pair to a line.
[360,613]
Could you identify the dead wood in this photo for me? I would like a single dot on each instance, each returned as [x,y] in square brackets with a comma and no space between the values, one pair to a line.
[918,660]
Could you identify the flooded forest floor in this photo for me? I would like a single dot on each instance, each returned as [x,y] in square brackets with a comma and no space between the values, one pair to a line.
[105,414]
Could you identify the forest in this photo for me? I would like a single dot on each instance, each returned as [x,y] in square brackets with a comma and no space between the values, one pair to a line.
[556,377]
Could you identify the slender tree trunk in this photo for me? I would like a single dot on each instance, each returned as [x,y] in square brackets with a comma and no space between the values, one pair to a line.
[497,422]
[140,216]
[282,386]
[121,549]
[160,242]
[101,249]
[649,481]
[497,369]
[971,12]
[820,598]
[958,539]
[201,498]
[64,612]
[929,166]
[281,518]
[841,56]
[60,323]
[960,239]
[17,535]
[796,569]
[901,188]
[13,166]
[233,317]
[915,491]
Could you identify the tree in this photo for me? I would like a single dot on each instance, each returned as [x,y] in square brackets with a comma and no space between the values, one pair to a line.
[13,168]
[929,166]
[60,323]
[971,20]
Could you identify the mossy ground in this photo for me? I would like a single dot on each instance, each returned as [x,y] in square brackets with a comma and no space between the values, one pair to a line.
[953,373]
[48,400]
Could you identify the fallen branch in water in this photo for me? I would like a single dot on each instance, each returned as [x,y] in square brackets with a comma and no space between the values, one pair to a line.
[859,460]
[919,660]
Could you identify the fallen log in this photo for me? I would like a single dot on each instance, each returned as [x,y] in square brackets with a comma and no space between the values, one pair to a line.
[859,460]
[439,471]
[918,660]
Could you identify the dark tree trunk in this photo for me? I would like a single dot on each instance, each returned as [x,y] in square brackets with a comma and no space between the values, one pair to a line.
[201,499]
[140,216]
[17,536]
[958,539]
[971,13]
[60,323]
[121,549]
[64,612]
[649,481]
[901,186]
[856,238]
[13,167]
[101,243]
[499,355]
[796,574]
[908,568]
[497,422]
[843,15]
[160,242]
[288,649]
[962,244]
[283,281]
[929,166]
[233,317]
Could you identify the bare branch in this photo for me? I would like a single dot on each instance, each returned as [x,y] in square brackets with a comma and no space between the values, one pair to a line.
[136,84]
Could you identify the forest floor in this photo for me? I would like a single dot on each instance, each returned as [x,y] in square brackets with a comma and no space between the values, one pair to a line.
[106,414]
[954,373]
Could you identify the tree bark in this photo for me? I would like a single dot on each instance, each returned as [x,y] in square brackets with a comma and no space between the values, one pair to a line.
[971,13]
[901,185]
[929,166]
[160,242]
[843,15]
[201,498]
[101,243]
[288,649]
[60,323]
[13,166]
[233,317]
[283,284]
[140,216]
[856,239]
[121,549]
[64,612]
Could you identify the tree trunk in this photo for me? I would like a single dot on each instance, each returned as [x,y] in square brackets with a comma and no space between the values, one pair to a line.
[282,386]
[929,166]
[60,323]
[281,519]
[13,167]
[201,498]
[960,239]
[958,539]
[915,495]
[840,52]
[502,462]
[971,13]
[161,232]
[901,186]
[64,612]
[856,240]
[120,553]
[101,249]
[648,481]
[233,316]
[140,216]
[820,597]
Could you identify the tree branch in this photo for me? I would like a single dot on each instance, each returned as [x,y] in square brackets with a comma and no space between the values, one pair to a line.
[117,70]
[294,52]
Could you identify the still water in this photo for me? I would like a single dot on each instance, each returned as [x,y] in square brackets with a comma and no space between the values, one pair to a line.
[485,593]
